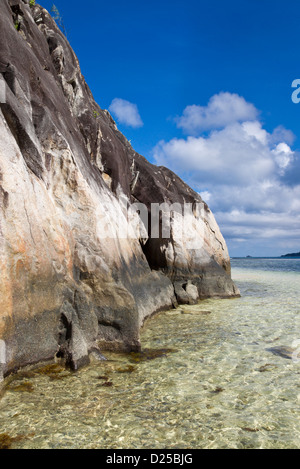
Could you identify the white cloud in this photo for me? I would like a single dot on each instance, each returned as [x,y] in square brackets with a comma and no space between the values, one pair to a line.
[238,154]
[280,134]
[240,169]
[222,109]
[283,156]
[126,112]
[205,195]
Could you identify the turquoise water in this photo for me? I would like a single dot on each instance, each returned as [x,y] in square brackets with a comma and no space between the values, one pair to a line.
[218,377]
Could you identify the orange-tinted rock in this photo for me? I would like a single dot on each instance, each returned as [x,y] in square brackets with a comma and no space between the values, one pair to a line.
[65,174]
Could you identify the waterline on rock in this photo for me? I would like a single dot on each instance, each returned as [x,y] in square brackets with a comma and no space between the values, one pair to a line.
[206,379]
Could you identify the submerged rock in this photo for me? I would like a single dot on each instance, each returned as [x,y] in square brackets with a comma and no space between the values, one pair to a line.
[23,387]
[250,430]
[284,352]
[266,367]
[218,390]
[95,353]
[150,354]
[69,180]
[126,369]
[106,384]
[7,441]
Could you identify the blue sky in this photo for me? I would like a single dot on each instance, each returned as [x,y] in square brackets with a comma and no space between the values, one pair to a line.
[205,89]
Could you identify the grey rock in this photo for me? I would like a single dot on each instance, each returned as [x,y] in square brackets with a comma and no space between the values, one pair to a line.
[192,292]
[181,294]
[282,351]
[65,171]
[186,293]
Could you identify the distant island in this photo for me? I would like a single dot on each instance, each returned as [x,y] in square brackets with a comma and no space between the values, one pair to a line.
[295,254]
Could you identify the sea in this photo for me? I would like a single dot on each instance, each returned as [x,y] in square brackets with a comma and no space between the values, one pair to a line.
[224,374]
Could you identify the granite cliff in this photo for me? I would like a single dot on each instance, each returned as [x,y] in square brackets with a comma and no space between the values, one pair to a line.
[65,173]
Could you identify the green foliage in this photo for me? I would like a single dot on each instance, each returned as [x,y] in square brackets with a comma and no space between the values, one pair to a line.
[17,25]
[96,114]
[58,18]
[32,3]
[55,13]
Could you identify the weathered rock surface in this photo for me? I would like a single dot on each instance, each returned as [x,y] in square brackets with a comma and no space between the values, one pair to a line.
[66,173]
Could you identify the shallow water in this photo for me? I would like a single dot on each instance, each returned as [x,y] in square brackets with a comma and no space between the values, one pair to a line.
[219,385]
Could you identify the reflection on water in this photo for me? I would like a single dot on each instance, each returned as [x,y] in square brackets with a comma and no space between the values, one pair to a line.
[206,379]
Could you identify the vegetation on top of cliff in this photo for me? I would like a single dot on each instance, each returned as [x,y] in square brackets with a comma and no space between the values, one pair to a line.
[58,19]
[294,254]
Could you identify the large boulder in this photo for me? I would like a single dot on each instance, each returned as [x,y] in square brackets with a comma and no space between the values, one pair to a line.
[70,279]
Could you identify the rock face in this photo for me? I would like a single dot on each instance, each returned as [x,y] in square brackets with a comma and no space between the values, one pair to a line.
[67,175]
